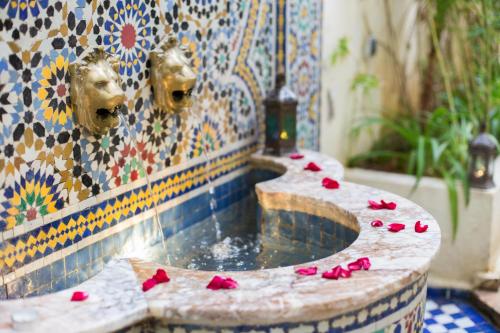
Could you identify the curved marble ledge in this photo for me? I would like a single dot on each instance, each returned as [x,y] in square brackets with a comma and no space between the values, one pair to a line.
[268,296]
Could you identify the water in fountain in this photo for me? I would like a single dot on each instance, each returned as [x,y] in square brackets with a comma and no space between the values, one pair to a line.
[156,216]
[222,249]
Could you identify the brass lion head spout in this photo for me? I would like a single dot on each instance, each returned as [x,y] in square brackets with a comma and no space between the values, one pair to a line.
[172,77]
[96,93]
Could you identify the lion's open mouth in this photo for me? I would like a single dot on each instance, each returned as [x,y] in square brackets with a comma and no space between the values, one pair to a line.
[113,112]
[180,95]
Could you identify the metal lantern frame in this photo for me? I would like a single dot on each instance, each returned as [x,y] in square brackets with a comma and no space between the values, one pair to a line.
[483,152]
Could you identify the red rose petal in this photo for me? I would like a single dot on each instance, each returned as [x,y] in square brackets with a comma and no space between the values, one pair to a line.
[330,183]
[420,228]
[365,263]
[377,224]
[161,276]
[307,271]
[311,166]
[219,282]
[148,284]
[382,205]
[354,266]
[396,227]
[296,156]
[335,273]
[79,296]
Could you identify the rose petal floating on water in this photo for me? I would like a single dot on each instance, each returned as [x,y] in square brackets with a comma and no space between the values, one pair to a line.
[161,276]
[396,227]
[311,166]
[330,183]
[420,228]
[148,284]
[382,205]
[296,156]
[219,282]
[79,296]
[377,223]
[307,271]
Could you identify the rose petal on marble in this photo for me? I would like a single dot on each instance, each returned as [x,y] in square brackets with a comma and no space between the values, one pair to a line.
[382,205]
[161,276]
[307,270]
[336,272]
[377,223]
[148,284]
[396,227]
[420,228]
[219,282]
[354,266]
[365,263]
[296,156]
[79,296]
[311,166]
[330,184]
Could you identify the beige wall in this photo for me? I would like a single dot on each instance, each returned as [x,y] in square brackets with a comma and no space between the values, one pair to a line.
[357,20]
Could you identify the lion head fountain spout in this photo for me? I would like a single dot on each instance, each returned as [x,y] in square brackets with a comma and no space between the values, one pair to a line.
[172,77]
[96,93]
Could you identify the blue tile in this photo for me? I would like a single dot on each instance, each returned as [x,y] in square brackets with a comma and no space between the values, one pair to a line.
[83,256]
[16,288]
[70,262]
[43,276]
[95,251]
[58,284]
[108,246]
[3,293]
[72,279]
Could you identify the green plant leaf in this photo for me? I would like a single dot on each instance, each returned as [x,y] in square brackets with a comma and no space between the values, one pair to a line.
[341,51]
[453,200]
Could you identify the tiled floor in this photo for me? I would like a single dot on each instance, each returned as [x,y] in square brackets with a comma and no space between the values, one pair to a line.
[454,314]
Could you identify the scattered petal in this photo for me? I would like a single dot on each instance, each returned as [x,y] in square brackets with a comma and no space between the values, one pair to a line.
[365,263]
[335,273]
[330,183]
[420,228]
[219,282]
[148,284]
[396,227]
[311,166]
[296,156]
[382,205]
[307,271]
[161,276]
[377,224]
[354,266]
[79,296]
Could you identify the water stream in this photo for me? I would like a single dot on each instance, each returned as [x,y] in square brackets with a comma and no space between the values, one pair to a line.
[156,216]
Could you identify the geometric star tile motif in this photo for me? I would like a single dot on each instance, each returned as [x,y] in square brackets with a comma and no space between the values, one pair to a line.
[48,162]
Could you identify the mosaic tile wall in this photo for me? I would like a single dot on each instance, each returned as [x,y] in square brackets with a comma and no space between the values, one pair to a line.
[51,173]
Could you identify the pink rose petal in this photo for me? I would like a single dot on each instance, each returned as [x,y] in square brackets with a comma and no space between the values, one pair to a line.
[79,296]
[307,271]
[296,156]
[335,273]
[365,263]
[330,183]
[354,266]
[420,228]
[382,205]
[377,224]
[396,227]
[219,282]
[311,166]
[148,284]
[161,276]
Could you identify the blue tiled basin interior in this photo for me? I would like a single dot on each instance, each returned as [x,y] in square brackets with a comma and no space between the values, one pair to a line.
[251,237]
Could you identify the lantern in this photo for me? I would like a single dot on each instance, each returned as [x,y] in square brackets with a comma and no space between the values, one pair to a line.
[281,119]
[483,152]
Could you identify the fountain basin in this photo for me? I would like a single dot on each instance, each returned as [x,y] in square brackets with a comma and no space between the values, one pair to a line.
[388,297]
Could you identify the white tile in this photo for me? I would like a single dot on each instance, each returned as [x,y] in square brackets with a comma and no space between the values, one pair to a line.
[436,328]
[450,308]
[464,322]
[430,305]
[443,319]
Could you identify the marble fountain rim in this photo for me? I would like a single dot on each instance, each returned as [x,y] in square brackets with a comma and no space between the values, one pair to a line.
[269,296]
